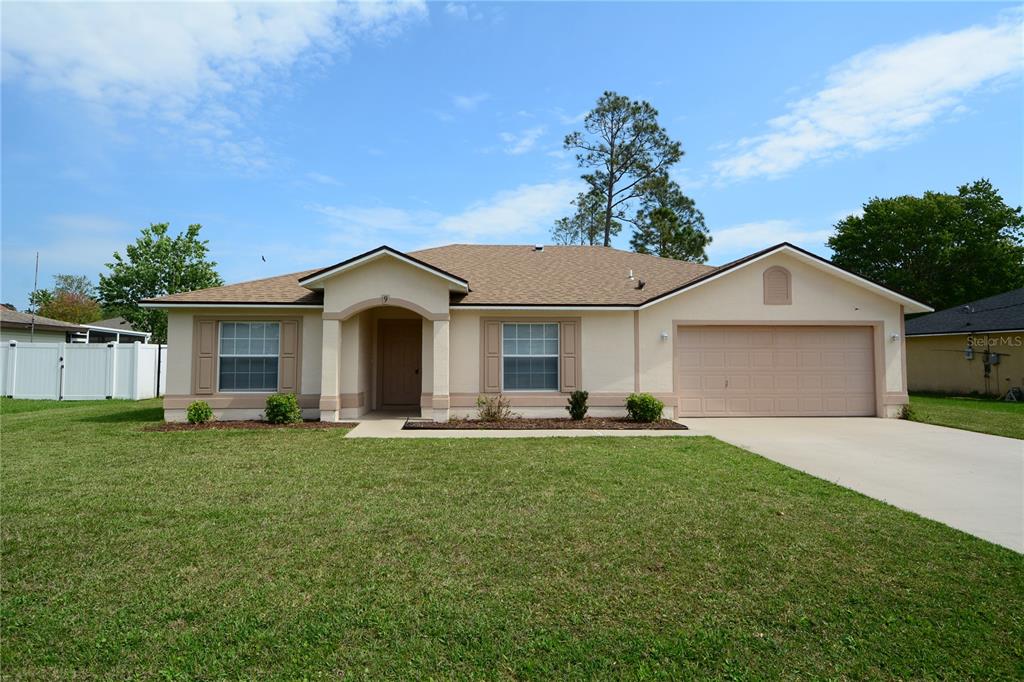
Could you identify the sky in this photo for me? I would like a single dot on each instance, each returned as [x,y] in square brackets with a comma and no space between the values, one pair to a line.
[301,134]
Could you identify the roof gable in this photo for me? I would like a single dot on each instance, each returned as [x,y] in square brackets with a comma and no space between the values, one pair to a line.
[814,260]
[315,279]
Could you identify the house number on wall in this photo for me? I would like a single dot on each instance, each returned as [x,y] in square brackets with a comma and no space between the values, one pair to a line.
[384,299]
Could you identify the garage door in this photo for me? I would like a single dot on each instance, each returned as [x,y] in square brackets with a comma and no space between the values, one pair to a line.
[775,371]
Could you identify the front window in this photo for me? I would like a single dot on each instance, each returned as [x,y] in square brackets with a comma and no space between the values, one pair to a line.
[248,356]
[529,357]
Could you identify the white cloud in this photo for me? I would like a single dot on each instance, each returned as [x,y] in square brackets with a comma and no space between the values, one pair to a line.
[324,179]
[469,102]
[520,143]
[457,10]
[882,97]
[739,240]
[522,215]
[193,65]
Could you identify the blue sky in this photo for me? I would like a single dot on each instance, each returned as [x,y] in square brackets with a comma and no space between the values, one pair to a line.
[307,133]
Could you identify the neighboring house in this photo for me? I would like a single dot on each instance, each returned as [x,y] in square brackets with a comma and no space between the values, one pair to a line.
[973,348]
[16,326]
[114,329]
[781,332]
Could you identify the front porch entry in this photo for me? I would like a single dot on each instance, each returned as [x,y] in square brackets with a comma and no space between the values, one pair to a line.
[399,380]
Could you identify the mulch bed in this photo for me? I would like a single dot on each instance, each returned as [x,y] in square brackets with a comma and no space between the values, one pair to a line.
[520,423]
[251,424]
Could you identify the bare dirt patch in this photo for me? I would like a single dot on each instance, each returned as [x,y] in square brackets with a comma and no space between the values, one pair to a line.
[525,423]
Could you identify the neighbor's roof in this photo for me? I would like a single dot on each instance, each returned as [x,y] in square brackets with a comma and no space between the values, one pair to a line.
[509,275]
[1002,312]
[119,323]
[15,319]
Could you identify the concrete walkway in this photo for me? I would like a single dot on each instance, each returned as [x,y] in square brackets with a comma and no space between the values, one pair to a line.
[391,427]
[970,481]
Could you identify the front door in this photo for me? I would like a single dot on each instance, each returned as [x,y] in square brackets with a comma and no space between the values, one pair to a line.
[400,350]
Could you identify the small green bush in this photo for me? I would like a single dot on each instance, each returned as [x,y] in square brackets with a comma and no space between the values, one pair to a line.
[577,407]
[199,412]
[644,407]
[283,408]
[493,408]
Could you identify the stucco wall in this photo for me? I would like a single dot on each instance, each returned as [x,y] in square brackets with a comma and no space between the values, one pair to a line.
[386,276]
[607,346]
[937,363]
[179,344]
[738,296]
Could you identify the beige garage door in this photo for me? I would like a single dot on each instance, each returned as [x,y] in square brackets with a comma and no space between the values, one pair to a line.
[775,371]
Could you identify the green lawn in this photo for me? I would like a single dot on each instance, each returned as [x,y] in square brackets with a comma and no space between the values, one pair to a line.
[288,554]
[986,415]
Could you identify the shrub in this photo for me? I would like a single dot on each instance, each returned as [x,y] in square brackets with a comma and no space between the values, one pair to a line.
[283,408]
[493,408]
[644,407]
[199,412]
[906,412]
[577,407]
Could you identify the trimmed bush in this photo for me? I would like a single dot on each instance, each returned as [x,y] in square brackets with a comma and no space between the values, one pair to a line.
[644,407]
[199,412]
[493,408]
[283,408]
[577,407]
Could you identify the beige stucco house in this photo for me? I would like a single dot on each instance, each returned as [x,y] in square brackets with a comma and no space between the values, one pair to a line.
[780,332]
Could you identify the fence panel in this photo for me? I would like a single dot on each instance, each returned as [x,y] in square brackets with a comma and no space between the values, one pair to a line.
[55,371]
[86,366]
[37,373]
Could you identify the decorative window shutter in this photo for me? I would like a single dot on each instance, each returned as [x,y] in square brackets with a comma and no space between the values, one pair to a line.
[206,356]
[288,380]
[492,356]
[777,286]
[570,355]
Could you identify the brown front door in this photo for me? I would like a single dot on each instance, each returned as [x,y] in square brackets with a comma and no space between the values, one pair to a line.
[400,356]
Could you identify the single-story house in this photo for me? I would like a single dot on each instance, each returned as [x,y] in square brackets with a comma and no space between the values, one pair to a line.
[26,327]
[779,332]
[977,347]
[112,330]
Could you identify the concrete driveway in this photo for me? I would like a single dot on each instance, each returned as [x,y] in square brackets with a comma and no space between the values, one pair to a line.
[970,481]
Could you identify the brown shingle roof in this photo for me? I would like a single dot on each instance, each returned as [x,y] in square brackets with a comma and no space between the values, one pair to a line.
[14,319]
[559,275]
[501,275]
[283,290]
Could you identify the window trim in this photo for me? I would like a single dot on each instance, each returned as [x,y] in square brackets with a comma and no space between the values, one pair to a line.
[557,324]
[220,336]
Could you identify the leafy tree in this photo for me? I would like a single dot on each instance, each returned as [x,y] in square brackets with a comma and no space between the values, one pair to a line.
[586,226]
[72,299]
[941,249]
[625,150]
[155,265]
[669,225]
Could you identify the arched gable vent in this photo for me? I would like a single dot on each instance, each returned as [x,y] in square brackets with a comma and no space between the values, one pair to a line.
[778,286]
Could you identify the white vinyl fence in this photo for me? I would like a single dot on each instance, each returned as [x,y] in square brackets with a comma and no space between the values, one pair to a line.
[82,371]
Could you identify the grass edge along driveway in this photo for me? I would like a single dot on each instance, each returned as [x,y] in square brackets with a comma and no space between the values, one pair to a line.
[971,413]
[302,554]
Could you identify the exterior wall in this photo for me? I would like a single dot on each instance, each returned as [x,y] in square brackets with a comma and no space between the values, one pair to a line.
[179,391]
[739,296]
[25,336]
[937,363]
[607,365]
[385,277]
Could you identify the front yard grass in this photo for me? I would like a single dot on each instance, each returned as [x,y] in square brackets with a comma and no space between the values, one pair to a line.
[291,554]
[986,415]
